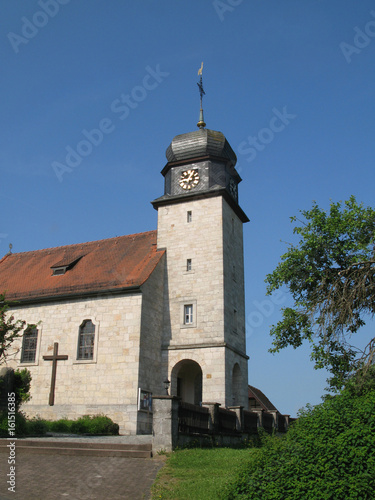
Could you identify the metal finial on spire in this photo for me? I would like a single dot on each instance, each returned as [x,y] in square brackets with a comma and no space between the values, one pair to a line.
[201,123]
[10,248]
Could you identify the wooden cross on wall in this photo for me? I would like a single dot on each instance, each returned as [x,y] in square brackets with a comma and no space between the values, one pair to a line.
[54,358]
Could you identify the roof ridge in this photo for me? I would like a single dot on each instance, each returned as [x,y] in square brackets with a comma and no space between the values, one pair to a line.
[262,398]
[5,256]
[253,387]
[77,244]
[156,252]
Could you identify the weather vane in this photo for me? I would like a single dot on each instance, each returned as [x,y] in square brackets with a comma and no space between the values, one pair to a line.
[201,123]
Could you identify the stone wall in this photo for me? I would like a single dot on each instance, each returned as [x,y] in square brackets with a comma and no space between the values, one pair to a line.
[234,285]
[215,287]
[150,371]
[200,240]
[166,435]
[109,383]
[234,311]
[212,362]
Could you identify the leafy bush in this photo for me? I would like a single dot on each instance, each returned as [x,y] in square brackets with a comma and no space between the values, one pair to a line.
[329,453]
[3,424]
[88,424]
[20,424]
[36,427]
[23,426]
[61,425]
[22,380]
[97,424]
[94,425]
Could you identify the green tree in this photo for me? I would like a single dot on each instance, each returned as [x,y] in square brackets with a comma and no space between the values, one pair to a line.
[330,276]
[9,328]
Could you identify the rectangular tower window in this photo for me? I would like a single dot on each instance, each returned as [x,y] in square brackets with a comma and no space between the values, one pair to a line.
[189,216]
[188,265]
[234,272]
[188,314]
[234,320]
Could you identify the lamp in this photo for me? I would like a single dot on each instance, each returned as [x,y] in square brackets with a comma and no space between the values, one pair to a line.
[166,385]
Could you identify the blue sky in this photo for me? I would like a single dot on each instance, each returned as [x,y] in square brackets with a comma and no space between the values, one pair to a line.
[67,67]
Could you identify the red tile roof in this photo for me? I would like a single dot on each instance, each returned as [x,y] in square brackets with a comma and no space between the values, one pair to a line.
[258,395]
[112,264]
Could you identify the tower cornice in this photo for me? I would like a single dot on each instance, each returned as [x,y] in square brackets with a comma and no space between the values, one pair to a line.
[172,200]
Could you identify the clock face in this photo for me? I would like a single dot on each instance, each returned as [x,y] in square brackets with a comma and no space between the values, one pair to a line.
[189,179]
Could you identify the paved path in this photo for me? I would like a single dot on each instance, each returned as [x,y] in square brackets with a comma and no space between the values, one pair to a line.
[56,437]
[52,477]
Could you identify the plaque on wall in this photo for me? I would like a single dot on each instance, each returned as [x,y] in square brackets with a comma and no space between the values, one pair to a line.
[144,400]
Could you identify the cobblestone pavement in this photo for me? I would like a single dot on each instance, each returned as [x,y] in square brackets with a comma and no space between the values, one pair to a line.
[52,477]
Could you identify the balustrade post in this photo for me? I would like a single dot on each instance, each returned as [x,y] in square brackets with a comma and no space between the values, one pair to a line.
[260,417]
[286,422]
[275,419]
[213,408]
[239,417]
[164,423]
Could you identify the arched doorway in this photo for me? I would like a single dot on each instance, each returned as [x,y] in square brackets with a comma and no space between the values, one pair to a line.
[236,385]
[187,381]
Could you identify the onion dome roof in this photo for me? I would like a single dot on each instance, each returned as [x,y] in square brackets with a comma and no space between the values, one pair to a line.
[200,143]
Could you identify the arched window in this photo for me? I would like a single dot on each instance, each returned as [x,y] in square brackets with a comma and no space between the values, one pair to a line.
[86,340]
[29,344]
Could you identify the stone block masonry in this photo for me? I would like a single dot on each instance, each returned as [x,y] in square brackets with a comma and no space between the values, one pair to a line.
[210,236]
[108,384]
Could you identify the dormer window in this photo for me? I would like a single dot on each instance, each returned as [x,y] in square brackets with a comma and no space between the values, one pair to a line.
[65,264]
[58,270]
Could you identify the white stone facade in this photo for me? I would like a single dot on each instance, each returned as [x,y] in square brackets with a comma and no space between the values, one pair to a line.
[211,237]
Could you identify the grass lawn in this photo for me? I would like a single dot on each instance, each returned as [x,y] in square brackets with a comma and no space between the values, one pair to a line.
[198,473]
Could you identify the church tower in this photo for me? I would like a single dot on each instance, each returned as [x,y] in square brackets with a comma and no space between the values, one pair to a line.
[200,224]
